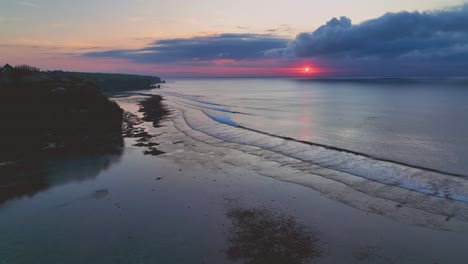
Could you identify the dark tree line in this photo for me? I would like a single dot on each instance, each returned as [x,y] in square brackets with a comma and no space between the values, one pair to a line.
[23,68]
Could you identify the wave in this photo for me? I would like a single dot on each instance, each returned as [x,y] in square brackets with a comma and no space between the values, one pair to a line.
[461,81]
[427,181]
[228,121]
[220,109]
[355,153]
[223,119]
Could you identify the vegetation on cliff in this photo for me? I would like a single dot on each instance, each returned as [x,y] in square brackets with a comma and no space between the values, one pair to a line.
[60,111]
[109,83]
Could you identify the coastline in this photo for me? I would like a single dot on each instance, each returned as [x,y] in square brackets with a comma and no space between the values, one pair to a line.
[189,204]
[152,111]
[56,112]
[389,199]
[192,149]
[397,203]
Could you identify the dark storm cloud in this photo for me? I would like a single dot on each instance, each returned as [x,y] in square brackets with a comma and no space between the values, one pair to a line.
[395,44]
[411,35]
[204,48]
[405,35]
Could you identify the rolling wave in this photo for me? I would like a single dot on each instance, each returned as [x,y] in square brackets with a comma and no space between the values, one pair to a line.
[219,124]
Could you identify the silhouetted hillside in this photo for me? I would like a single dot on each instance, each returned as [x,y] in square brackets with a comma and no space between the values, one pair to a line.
[53,111]
[108,82]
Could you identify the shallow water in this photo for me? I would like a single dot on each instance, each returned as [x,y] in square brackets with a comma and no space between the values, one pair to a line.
[189,204]
[421,122]
[193,214]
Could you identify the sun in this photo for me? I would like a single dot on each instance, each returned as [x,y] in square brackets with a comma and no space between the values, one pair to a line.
[306,70]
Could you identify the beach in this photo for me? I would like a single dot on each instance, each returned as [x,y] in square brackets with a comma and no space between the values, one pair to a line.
[198,199]
[234,132]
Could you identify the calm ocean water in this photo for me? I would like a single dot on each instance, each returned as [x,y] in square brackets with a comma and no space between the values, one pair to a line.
[226,147]
[420,122]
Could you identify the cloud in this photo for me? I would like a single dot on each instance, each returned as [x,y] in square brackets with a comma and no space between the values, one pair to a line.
[438,35]
[285,28]
[395,44]
[20,46]
[200,49]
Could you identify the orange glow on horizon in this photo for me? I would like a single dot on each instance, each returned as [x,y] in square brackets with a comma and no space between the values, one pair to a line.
[308,70]
[206,68]
[224,61]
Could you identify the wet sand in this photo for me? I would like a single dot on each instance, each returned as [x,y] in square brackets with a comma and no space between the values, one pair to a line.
[400,210]
[194,203]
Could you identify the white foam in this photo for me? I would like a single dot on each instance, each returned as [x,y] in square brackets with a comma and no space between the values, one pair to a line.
[222,127]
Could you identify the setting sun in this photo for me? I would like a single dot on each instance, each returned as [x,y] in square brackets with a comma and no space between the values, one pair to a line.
[306,69]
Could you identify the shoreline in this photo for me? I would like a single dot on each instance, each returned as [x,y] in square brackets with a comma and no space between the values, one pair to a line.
[202,152]
[152,111]
[363,194]
[206,201]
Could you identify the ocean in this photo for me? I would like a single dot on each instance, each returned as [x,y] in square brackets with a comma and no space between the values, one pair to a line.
[360,170]
[404,132]
[421,122]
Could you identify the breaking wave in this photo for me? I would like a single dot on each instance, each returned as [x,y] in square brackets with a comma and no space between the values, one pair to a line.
[218,122]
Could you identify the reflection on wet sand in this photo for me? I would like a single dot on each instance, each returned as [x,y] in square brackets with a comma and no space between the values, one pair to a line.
[260,236]
[18,180]
[49,169]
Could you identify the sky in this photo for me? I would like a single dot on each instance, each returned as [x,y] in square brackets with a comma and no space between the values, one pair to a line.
[183,38]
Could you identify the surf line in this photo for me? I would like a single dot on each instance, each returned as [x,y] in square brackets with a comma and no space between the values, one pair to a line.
[355,153]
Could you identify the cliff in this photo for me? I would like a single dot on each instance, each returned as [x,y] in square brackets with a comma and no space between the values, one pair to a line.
[111,83]
[55,112]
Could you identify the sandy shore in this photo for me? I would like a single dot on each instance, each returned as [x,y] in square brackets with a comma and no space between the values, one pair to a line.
[396,225]
[203,201]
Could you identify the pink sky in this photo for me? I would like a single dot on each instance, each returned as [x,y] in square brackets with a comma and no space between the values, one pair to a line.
[55,35]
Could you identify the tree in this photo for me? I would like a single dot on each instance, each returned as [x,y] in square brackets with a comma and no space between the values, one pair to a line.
[23,69]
